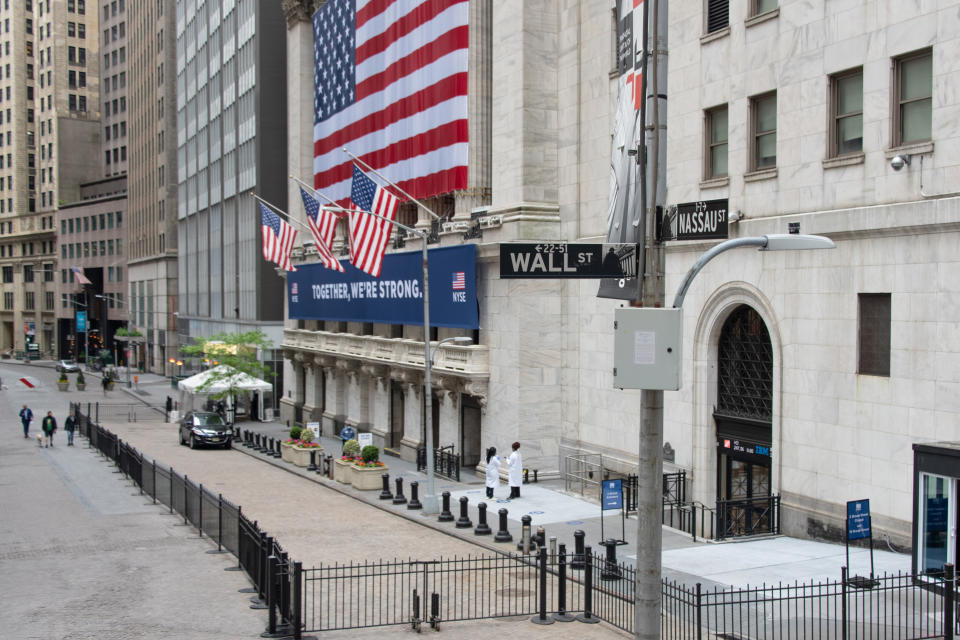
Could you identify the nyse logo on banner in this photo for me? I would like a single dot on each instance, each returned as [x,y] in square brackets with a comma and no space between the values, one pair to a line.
[459,286]
[703,220]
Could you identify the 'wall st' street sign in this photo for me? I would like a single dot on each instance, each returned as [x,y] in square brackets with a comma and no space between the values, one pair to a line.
[564,260]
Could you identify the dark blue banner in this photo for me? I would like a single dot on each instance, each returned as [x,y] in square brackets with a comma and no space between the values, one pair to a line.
[396,297]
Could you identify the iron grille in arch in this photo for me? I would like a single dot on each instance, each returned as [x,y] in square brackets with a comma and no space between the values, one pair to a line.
[745,385]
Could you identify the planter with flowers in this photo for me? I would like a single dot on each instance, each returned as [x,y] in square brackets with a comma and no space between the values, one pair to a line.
[286,447]
[343,466]
[303,448]
[367,470]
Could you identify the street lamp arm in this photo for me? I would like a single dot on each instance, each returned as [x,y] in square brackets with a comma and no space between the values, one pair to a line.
[772,242]
[709,255]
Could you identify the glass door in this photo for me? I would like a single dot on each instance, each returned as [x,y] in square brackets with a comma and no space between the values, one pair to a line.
[938,523]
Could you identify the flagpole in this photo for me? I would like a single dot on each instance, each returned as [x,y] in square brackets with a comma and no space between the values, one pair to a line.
[381,176]
[431,504]
[277,209]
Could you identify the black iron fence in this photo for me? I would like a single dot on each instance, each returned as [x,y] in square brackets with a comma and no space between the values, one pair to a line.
[446,462]
[276,579]
[544,586]
[748,517]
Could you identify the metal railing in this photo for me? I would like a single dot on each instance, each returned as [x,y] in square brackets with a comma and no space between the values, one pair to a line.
[416,592]
[748,517]
[446,462]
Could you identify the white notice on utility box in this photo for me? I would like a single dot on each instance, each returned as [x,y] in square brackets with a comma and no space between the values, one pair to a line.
[644,347]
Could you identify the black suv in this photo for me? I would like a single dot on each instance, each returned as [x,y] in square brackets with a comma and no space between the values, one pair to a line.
[205,428]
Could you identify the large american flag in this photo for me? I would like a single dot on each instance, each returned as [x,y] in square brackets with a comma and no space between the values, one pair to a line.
[369,234]
[278,238]
[391,86]
[323,226]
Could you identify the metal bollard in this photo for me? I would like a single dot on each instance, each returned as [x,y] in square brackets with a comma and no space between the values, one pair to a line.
[385,491]
[587,615]
[535,472]
[577,561]
[445,515]
[526,476]
[276,451]
[561,615]
[414,500]
[541,537]
[399,498]
[327,463]
[463,522]
[525,528]
[483,529]
[503,535]
[313,461]
[611,570]
[541,617]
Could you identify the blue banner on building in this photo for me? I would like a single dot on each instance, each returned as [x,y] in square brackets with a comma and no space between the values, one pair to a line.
[396,297]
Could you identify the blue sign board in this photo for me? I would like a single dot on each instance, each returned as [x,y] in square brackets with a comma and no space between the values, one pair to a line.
[81,321]
[612,497]
[858,519]
[396,297]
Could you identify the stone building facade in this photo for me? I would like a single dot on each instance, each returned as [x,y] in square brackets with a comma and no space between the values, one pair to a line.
[839,118]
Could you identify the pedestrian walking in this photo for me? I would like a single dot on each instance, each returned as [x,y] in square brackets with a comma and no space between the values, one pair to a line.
[70,424]
[49,427]
[26,416]
[516,471]
[106,383]
[493,471]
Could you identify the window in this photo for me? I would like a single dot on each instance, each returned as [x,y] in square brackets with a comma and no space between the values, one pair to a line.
[8,300]
[763,111]
[72,29]
[718,15]
[914,90]
[846,92]
[716,136]
[48,300]
[28,273]
[48,270]
[81,31]
[8,274]
[873,334]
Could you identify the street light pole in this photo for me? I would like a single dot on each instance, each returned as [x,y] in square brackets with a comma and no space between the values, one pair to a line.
[650,472]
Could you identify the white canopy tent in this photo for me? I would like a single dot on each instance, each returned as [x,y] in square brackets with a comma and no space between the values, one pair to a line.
[220,379]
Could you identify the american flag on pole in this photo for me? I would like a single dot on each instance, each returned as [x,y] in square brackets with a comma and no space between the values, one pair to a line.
[278,238]
[323,226]
[369,234]
[81,278]
[391,86]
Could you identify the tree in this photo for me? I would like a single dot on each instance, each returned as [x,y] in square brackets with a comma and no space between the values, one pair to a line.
[235,355]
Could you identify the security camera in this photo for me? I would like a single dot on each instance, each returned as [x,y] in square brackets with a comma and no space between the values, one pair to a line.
[899,162]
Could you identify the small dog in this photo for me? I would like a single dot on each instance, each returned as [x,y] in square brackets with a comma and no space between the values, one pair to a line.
[39,439]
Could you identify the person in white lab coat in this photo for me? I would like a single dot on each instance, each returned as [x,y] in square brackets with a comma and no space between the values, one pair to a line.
[516,471]
[493,471]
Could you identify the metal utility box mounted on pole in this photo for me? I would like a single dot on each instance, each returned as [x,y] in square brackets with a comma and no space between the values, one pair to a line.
[647,348]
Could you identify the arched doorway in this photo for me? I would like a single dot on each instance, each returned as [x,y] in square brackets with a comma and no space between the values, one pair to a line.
[743,417]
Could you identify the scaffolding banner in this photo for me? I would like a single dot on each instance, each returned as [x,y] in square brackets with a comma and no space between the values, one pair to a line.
[623,215]
[315,292]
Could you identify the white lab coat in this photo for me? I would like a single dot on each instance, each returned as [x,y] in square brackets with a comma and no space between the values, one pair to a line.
[516,468]
[493,472]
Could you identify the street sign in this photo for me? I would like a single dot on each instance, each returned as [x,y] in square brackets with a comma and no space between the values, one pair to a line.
[364,439]
[565,260]
[315,428]
[858,519]
[700,220]
[81,321]
[612,494]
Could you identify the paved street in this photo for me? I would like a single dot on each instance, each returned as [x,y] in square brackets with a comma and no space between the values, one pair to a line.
[87,557]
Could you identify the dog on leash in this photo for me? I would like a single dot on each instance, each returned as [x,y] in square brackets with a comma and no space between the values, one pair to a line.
[39,439]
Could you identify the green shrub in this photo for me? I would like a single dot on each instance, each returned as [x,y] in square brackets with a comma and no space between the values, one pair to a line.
[306,435]
[295,432]
[351,448]
[370,453]
[80,379]
[63,377]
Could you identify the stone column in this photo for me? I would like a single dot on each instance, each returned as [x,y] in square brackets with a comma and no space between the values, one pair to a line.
[413,415]
[300,90]
[449,414]
[312,402]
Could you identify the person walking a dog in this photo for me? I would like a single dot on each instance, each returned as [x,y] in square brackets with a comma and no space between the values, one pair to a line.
[25,417]
[49,427]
